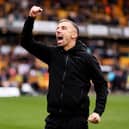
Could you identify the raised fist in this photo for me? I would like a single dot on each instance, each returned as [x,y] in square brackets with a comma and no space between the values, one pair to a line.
[35,11]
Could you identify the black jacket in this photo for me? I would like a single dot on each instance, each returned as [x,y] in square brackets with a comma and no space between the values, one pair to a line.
[70,73]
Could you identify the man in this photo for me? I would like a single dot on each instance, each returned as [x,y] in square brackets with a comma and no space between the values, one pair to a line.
[71,70]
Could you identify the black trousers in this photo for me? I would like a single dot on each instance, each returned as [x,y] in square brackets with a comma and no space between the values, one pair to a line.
[60,122]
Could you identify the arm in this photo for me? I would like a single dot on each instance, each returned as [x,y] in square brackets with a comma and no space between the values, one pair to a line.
[100,85]
[37,49]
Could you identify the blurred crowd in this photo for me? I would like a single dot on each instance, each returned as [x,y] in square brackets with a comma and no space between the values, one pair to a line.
[109,12]
[20,69]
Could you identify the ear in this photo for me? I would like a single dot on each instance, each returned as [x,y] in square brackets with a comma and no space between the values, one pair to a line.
[74,35]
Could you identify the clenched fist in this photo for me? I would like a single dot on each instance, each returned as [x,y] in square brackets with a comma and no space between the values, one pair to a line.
[35,11]
[94,118]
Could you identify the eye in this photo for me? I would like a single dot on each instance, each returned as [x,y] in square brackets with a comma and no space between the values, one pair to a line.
[57,28]
[64,27]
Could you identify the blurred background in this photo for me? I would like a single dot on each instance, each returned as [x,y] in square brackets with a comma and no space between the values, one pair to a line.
[104,28]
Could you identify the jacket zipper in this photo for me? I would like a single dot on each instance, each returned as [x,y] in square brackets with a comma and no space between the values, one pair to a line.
[63,78]
[66,62]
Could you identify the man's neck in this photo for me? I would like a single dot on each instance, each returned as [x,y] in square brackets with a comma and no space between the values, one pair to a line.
[70,45]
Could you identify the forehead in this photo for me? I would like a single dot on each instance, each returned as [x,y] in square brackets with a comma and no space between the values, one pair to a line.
[65,23]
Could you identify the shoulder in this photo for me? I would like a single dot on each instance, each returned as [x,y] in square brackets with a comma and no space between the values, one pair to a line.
[90,59]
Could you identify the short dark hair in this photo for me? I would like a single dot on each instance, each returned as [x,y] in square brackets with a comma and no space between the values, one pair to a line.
[73,23]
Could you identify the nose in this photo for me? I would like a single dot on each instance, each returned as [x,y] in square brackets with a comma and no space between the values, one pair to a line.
[58,31]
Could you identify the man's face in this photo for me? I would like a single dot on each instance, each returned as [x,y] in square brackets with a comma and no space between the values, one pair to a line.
[65,33]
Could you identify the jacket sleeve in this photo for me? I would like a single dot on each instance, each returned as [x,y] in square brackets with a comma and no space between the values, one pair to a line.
[100,85]
[39,50]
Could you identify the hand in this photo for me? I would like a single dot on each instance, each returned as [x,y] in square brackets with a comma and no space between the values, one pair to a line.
[94,118]
[35,11]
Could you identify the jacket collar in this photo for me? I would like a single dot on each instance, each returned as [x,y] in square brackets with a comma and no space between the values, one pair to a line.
[80,46]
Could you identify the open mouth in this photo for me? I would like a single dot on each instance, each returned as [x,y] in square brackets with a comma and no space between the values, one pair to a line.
[59,40]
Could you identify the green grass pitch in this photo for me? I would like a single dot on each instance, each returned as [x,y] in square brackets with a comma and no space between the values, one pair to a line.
[29,112]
